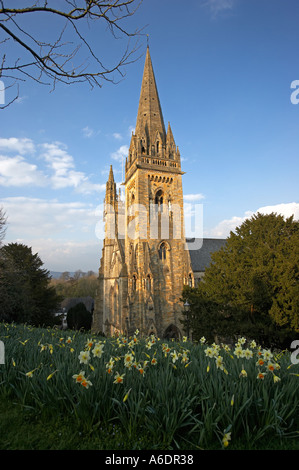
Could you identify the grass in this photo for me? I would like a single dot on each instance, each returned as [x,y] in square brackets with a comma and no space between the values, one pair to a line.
[22,429]
[142,394]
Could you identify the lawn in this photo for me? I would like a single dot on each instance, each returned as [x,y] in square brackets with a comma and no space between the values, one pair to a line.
[70,390]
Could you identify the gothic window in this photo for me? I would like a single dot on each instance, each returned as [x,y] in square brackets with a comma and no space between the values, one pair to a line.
[190,280]
[158,144]
[162,251]
[148,283]
[134,283]
[159,200]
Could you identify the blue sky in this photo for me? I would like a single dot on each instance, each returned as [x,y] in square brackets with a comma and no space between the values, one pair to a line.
[224,70]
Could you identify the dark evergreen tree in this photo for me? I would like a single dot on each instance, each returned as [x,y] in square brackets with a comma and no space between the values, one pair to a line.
[78,317]
[251,286]
[25,295]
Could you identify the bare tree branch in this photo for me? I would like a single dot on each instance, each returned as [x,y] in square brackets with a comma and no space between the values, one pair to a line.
[3,221]
[69,57]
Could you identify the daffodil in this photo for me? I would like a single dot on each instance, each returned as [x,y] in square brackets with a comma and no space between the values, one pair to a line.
[79,377]
[30,374]
[276,378]
[128,360]
[118,379]
[238,351]
[126,396]
[270,366]
[89,343]
[174,356]
[51,375]
[98,350]
[84,357]
[248,354]
[209,352]
[219,362]
[267,355]
[261,375]
[243,373]
[226,438]
[202,340]
[86,383]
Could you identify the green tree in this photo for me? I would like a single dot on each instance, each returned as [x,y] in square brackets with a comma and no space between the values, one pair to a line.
[24,287]
[255,275]
[79,317]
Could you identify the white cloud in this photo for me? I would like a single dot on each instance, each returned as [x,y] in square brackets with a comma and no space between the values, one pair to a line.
[287,210]
[20,146]
[217,6]
[63,234]
[34,217]
[223,229]
[88,132]
[193,197]
[67,255]
[62,164]
[120,154]
[117,136]
[15,171]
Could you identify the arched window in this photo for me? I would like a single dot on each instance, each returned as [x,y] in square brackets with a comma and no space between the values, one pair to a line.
[190,280]
[162,251]
[159,200]
[134,283]
[158,146]
[148,283]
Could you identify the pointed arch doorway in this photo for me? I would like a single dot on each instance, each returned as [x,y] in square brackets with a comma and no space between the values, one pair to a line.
[172,332]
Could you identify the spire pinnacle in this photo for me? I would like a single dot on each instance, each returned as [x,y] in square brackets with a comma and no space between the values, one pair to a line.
[111,176]
[149,118]
[110,187]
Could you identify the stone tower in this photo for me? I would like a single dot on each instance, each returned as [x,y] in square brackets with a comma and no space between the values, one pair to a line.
[145,260]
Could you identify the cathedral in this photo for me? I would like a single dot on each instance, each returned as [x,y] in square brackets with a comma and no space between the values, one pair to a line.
[145,258]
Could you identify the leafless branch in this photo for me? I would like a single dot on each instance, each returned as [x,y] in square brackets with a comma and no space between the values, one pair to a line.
[70,57]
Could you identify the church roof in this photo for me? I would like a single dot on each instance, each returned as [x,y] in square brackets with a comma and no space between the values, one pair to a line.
[149,117]
[201,258]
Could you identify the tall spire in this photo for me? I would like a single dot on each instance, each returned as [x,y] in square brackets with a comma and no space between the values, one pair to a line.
[149,117]
[110,188]
[111,177]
